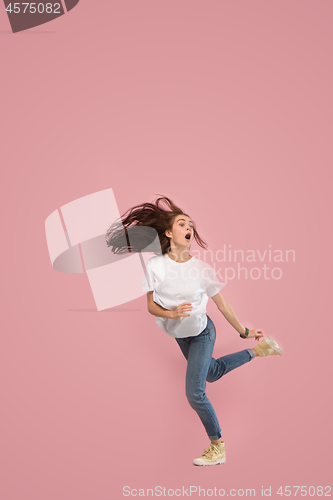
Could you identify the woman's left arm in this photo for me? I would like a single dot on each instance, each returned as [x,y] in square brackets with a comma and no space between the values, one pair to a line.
[225,308]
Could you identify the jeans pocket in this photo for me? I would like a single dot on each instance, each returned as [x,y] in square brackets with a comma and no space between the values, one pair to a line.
[212,333]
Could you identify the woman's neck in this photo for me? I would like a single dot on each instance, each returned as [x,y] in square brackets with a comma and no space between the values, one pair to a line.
[179,254]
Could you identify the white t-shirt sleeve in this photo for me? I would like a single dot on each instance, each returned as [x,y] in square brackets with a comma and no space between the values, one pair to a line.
[212,284]
[148,279]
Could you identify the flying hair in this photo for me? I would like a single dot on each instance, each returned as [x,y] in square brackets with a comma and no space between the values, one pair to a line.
[127,234]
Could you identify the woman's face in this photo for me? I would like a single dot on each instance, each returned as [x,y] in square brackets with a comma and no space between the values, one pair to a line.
[182,226]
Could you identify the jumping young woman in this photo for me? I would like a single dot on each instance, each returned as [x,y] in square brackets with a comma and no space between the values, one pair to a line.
[178,286]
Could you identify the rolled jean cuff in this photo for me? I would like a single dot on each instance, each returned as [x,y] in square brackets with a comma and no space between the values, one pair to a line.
[217,436]
[251,353]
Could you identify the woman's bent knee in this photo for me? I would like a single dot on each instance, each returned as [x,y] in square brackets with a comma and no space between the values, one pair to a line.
[195,398]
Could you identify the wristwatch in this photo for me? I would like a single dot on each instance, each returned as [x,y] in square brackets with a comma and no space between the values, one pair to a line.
[245,335]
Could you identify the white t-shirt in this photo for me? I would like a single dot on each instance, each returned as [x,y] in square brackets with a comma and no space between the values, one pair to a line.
[176,282]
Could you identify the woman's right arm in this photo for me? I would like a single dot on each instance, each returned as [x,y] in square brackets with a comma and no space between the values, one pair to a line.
[157,310]
[160,312]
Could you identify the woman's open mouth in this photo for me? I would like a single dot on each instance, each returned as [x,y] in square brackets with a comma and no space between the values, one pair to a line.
[188,236]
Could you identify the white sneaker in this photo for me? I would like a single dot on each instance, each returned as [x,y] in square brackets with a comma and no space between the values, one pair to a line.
[268,347]
[214,455]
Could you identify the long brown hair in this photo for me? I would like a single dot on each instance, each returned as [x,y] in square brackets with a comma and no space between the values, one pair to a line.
[124,235]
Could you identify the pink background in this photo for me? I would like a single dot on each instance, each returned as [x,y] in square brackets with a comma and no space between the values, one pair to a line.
[225,107]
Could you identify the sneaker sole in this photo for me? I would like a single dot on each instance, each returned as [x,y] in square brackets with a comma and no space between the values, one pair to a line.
[274,345]
[221,461]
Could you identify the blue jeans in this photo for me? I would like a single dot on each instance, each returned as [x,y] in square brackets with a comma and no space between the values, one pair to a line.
[201,367]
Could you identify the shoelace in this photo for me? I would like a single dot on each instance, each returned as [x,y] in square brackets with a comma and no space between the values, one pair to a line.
[209,452]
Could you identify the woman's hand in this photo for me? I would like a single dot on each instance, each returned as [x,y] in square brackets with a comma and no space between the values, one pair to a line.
[179,312]
[257,334]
